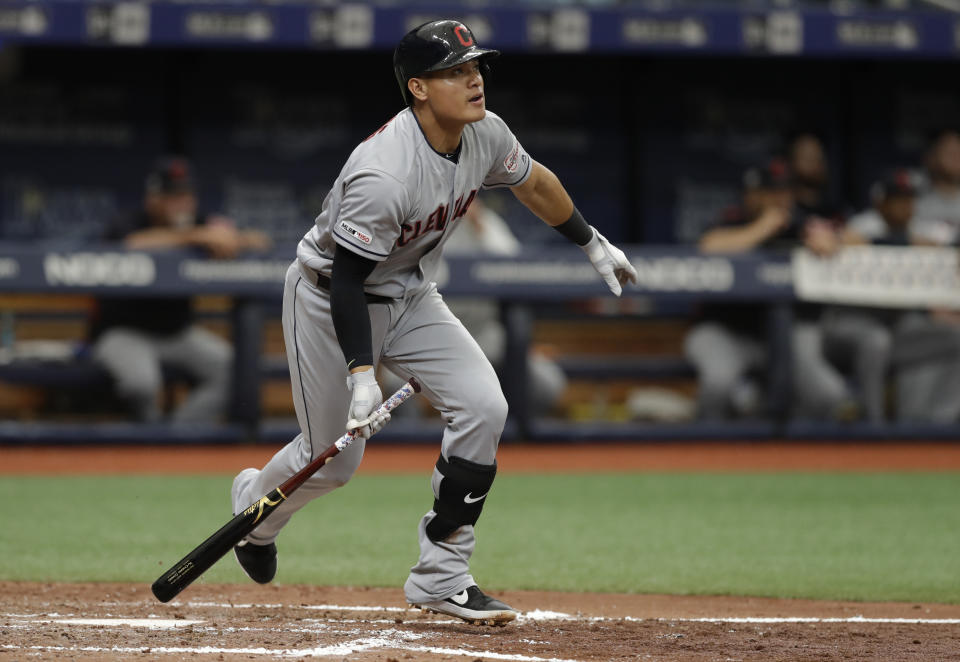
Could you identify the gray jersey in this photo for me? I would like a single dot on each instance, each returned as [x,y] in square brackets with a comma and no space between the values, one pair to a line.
[936,216]
[396,199]
[869,224]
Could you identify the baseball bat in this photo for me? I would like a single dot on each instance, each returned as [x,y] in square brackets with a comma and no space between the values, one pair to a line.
[211,550]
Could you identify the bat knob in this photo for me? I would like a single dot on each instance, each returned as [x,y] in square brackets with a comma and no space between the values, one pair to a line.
[415,384]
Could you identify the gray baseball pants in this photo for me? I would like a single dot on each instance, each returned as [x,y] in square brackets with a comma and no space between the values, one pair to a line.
[923,352]
[868,343]
[723,358]
[134,359]
[415,337]
[927,359]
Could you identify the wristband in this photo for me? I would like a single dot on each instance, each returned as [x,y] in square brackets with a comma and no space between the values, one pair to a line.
[576,229]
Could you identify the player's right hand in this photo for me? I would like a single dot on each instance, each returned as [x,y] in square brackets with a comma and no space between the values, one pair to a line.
[364,402]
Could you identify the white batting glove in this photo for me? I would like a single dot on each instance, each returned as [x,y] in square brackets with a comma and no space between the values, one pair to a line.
[610,262]
[366,398]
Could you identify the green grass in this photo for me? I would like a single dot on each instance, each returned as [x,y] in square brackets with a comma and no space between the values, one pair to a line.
[841,536]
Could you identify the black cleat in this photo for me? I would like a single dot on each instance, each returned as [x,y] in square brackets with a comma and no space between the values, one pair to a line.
[474,607]
[258,561]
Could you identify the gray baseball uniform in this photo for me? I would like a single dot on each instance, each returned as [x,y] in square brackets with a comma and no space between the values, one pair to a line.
[395,201]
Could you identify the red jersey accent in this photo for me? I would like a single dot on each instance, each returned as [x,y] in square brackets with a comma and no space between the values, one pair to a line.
[380,130]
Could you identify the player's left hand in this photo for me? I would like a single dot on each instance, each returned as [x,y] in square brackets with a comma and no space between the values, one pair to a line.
[610,262]
[364,402]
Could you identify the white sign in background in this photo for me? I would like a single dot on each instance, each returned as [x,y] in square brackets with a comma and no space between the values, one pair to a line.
[880,276]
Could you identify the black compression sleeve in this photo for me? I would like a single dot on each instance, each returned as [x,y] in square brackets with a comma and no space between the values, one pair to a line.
[576,229]
[348,306]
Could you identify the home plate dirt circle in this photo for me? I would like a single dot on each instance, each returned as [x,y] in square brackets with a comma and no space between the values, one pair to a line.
[217,622]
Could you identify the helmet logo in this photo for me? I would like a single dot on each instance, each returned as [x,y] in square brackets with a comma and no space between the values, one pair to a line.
[463,35]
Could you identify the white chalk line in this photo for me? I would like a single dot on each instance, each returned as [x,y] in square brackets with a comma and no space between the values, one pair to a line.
[347,648]
[543,615]
[538,615]
[149,623]
[815,619]
[335,626]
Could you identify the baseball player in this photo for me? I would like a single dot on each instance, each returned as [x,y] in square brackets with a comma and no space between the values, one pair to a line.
[361,294]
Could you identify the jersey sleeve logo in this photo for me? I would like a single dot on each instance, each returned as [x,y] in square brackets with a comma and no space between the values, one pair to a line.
[353,232]
[511,163]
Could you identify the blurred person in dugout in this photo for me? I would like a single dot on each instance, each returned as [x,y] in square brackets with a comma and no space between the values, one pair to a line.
[864,337]
[482,231]
[133,338]
[813,200]
[937,218]
[928,341]
[920,347]
[728,344]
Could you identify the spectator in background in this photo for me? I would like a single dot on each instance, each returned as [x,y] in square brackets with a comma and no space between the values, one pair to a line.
[887,221]
[865,335]
[134,338]
[922,346]
[937,218]
[729,341]
[814,209]
[807,161]
[928,382]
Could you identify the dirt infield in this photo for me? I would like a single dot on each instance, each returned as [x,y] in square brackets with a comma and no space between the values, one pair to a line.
[230,623]
[536,458]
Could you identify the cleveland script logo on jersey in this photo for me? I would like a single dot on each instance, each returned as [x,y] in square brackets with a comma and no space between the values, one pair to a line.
[436,221]
[361,236]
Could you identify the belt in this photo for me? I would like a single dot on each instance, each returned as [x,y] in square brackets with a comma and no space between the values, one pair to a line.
[323,282]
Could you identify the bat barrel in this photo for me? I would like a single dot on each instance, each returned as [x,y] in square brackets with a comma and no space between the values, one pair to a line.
[189,568]
[211,550]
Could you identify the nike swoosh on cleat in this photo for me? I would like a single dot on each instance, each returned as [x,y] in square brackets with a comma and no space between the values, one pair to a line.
[471,499]
[460,598]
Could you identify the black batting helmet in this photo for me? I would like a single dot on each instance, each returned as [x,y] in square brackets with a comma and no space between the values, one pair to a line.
[433,46]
